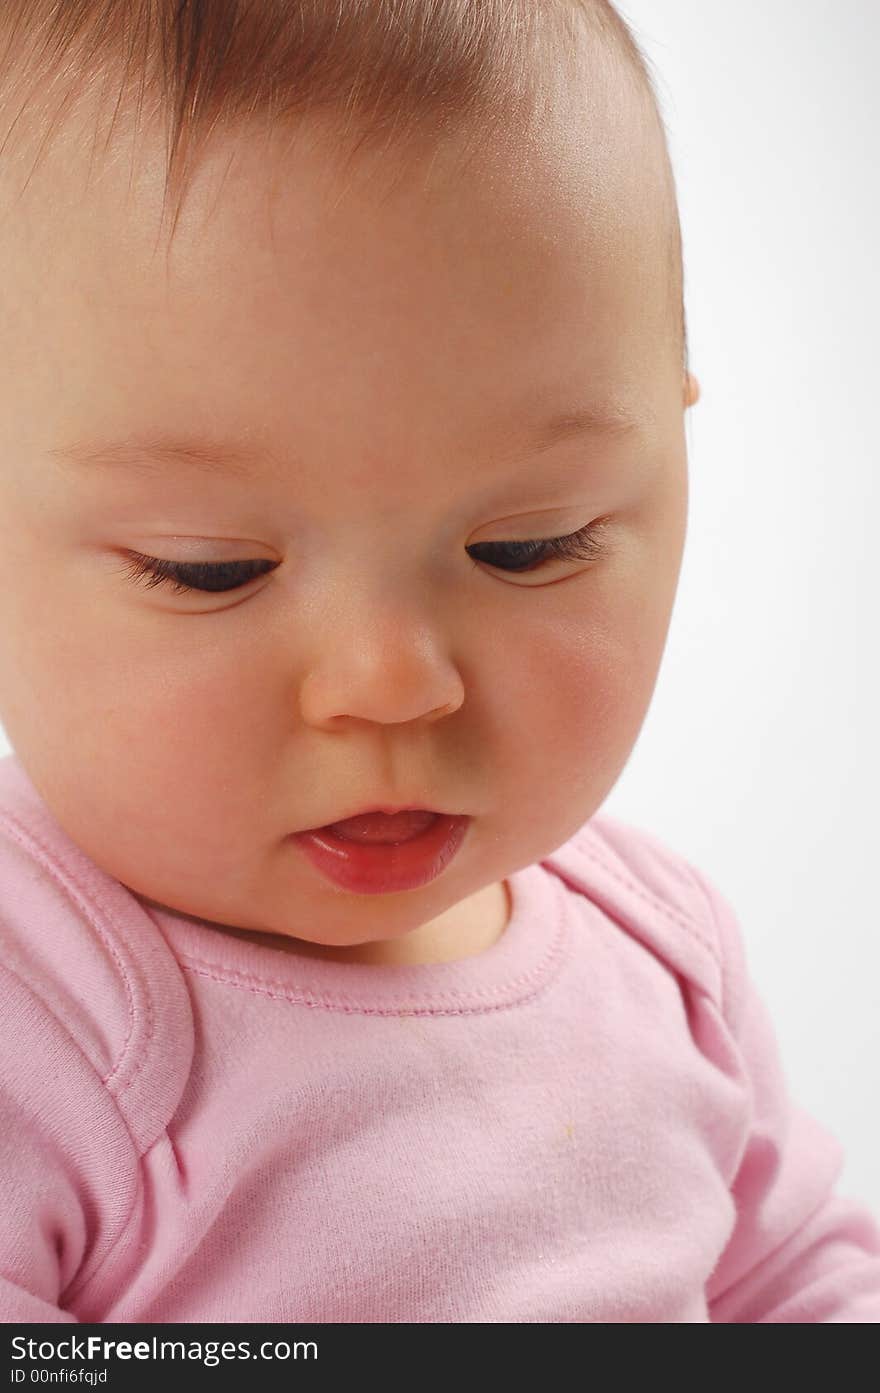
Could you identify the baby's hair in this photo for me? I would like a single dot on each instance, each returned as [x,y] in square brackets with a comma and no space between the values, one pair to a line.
[391,71]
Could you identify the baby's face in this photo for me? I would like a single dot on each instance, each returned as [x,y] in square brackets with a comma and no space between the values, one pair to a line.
[393,357]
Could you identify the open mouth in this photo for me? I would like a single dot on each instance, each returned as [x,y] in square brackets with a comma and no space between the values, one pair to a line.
[377,853]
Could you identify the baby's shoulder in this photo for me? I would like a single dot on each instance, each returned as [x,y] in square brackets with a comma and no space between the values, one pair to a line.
[652,892]
[81,962]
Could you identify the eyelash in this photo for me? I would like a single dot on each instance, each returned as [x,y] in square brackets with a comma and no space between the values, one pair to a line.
[221,576]
[186,576]
[584,545]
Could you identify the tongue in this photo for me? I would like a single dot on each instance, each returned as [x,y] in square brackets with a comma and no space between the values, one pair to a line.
[380,827]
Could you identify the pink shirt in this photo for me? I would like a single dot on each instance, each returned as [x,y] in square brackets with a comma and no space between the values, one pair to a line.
[586,1122]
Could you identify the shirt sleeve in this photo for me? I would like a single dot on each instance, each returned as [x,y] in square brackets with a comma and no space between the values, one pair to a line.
[39,1214]
[63,1148]
[799,1252]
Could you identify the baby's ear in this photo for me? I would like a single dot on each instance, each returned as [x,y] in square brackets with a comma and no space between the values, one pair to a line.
[691,389]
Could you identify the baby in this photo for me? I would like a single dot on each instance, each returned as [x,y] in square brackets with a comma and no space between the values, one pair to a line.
[344,496]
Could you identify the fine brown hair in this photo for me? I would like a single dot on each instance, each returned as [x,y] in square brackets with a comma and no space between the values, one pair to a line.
[392,71]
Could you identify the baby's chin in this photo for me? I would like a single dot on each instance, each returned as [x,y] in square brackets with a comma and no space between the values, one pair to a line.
[463,931]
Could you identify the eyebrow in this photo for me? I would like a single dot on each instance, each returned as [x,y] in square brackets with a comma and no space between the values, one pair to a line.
[155,454]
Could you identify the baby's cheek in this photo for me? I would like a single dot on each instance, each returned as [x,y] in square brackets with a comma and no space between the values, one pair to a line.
[594,680]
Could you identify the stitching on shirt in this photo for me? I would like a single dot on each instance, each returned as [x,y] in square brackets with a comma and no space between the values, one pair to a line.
[354,1009]
[727,980]
[676,915]
[32,843]
[542,975]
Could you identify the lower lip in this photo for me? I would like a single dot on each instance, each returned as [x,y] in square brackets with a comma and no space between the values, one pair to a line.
[381,868]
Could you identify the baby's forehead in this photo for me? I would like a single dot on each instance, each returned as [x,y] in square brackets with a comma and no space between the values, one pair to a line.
[438,325]
[588,163]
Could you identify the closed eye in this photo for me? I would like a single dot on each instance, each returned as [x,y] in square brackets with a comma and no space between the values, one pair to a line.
[583,545]
[218,577]
[185,576]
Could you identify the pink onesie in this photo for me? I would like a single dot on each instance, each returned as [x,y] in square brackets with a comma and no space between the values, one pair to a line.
[586,1122]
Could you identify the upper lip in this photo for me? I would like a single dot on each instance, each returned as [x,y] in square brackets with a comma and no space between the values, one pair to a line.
[388,809]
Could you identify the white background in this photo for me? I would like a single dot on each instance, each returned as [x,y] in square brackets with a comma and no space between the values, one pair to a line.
[759,758]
